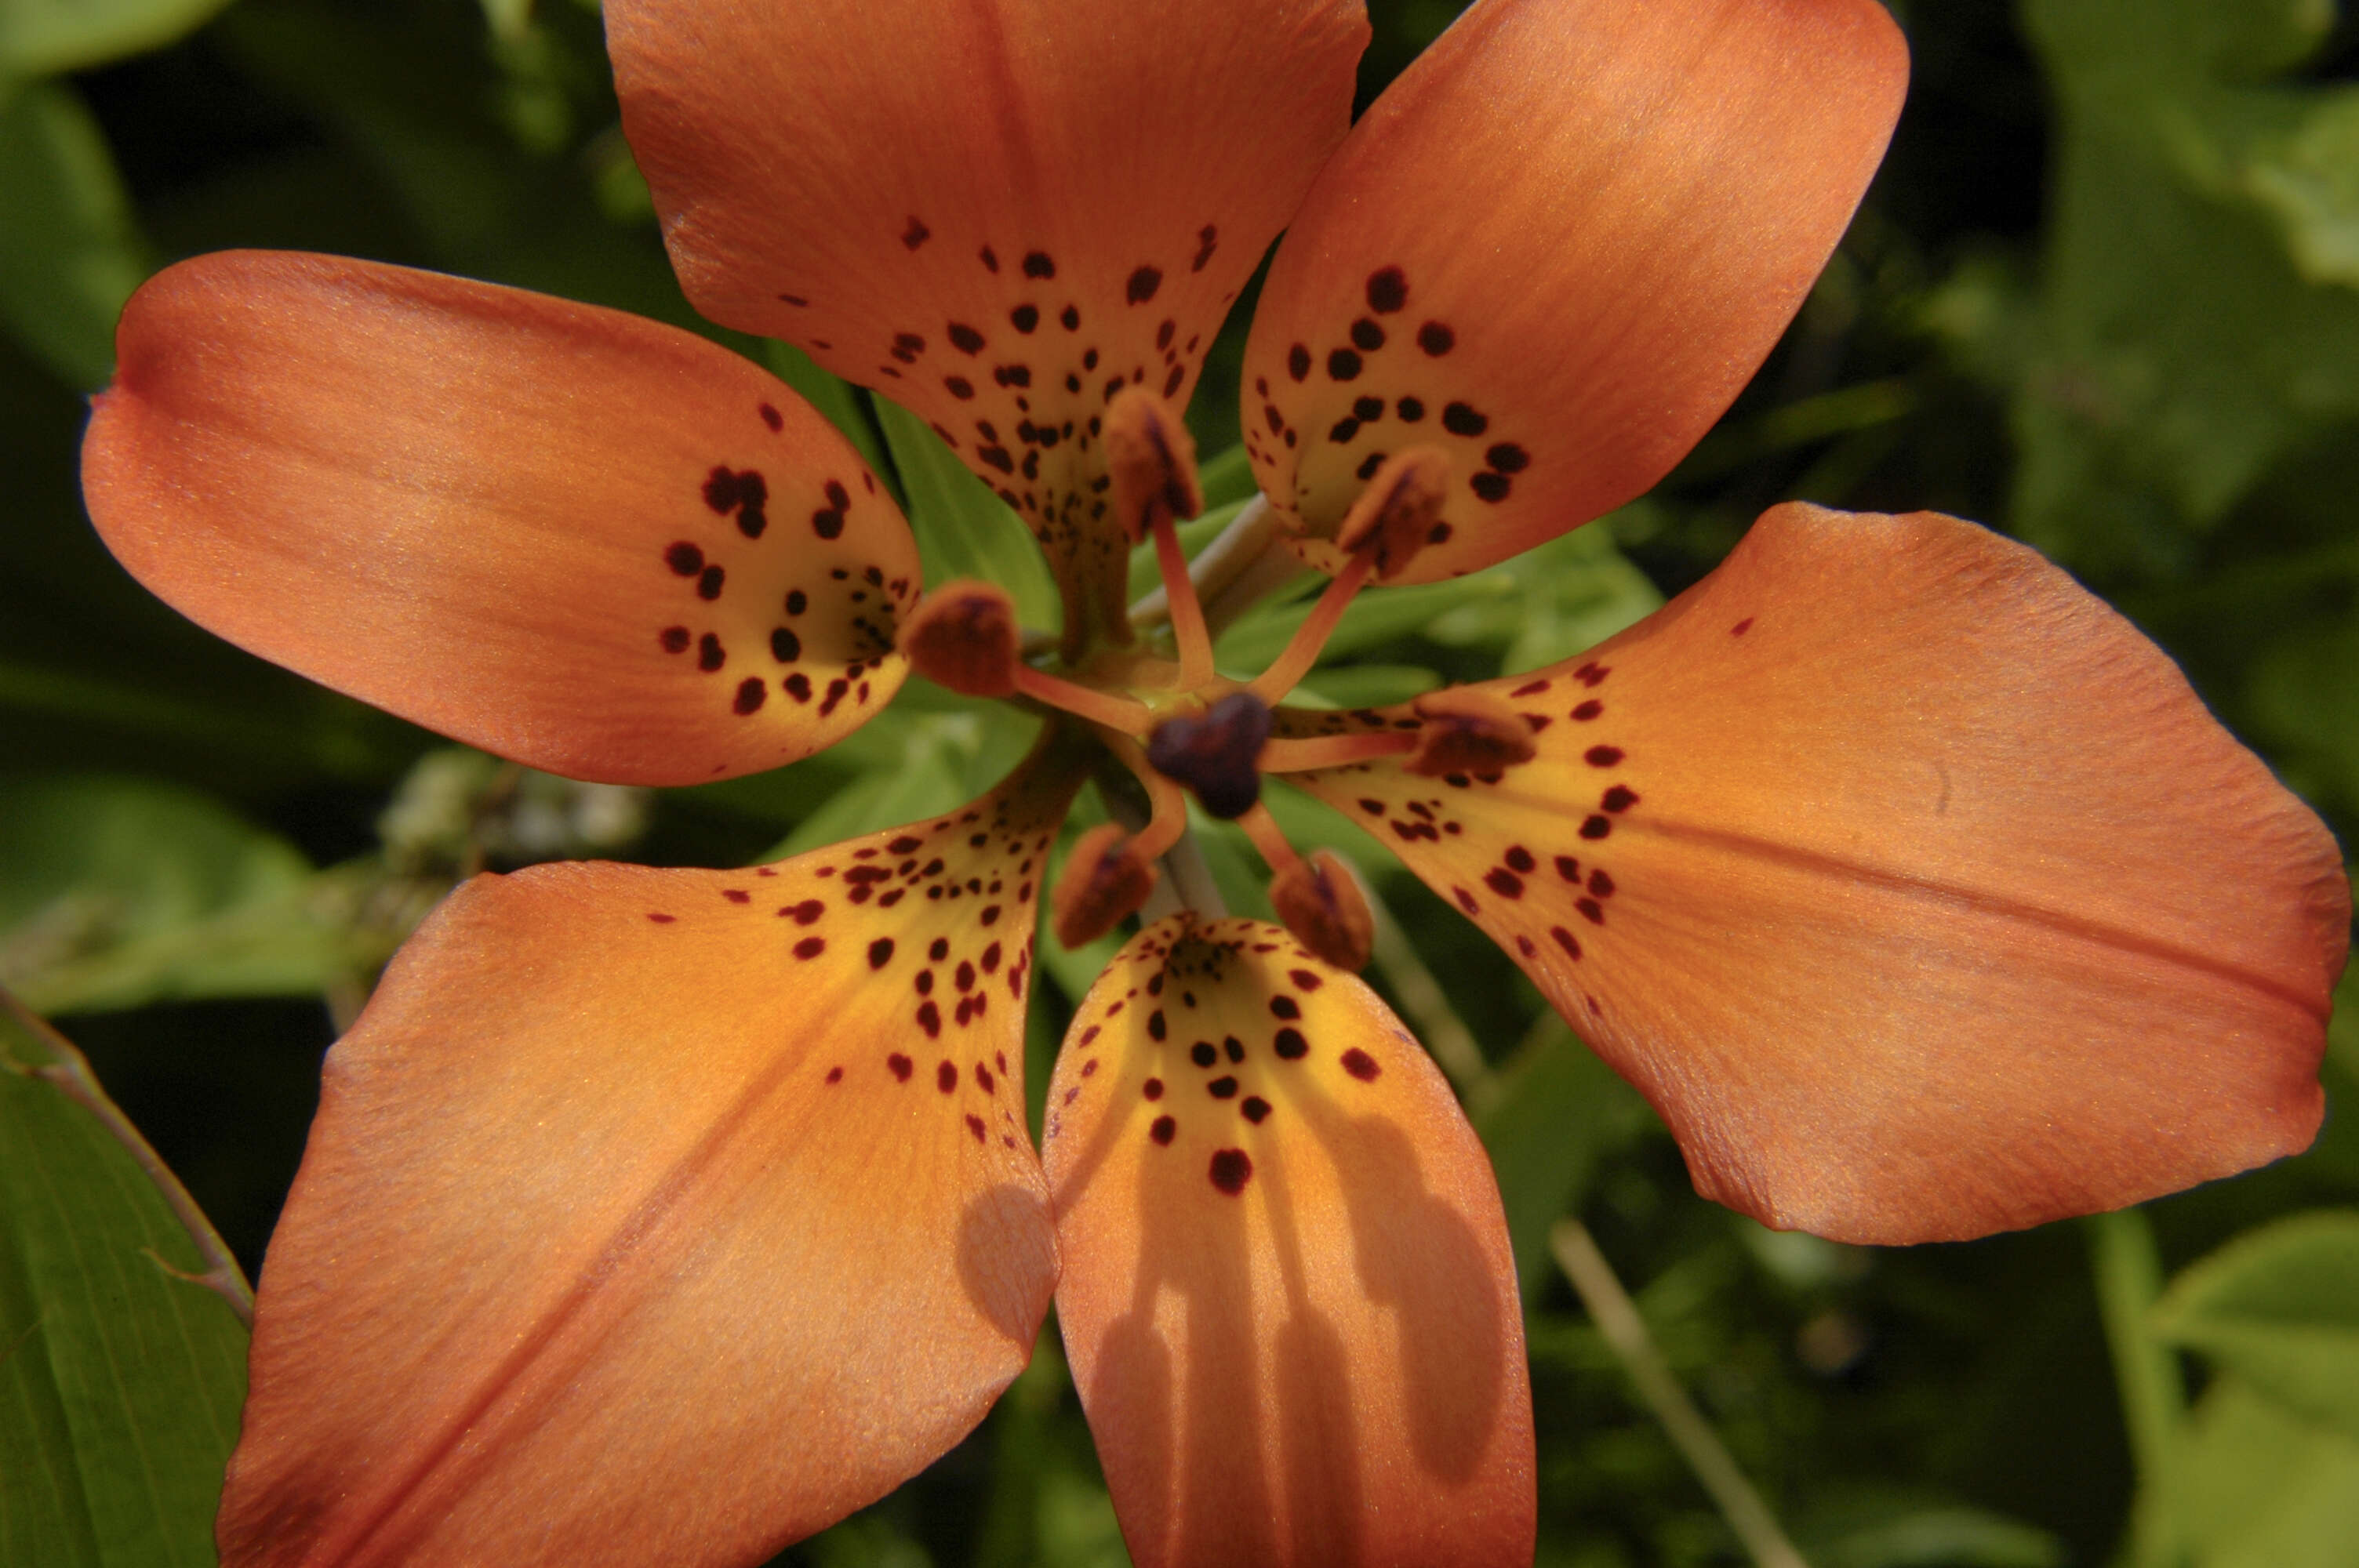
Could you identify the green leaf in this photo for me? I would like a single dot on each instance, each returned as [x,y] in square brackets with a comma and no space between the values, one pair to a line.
[70,252]
[2279,1307]
[45,37]
[1559,1112]
[963,530]
[2266,1489]
[122,893]
[119,1383]
[2197,317]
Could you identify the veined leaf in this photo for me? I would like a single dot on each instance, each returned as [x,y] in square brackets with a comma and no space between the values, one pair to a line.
[2279,1307]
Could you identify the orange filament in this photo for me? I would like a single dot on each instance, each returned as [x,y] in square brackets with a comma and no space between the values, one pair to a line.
[1334,750]
[1118,713]
[1263,829]
[1168,801]
[1320,902]
[1468,730]
[1106,879]
[1302,651]
[1188,627]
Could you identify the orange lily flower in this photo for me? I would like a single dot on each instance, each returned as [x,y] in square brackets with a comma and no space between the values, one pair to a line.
[667,1215]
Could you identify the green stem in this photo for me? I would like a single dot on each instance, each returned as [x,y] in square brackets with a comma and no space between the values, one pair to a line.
[1617,1316]
[69,1070]
[2128,1272]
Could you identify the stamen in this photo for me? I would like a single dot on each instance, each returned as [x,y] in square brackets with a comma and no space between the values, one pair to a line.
[1152,461]
[962,635]
[1118,713]
[1106,879]
[1167,803]
[1320,900]
[1468,730]
[1334,750]
[1399,513]
[1216,753]
[1396,517]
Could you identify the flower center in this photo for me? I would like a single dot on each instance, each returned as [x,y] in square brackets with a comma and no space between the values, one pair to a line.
[1177,725]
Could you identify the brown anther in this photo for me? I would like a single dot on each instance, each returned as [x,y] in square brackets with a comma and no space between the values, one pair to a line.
[1467,731]
[1152,460]
[1320,900]
[1106,879]
[1399,513]
[962,635]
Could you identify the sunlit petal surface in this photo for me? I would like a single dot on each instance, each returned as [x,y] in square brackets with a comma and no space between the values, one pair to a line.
[1912,885]
[1289,1298]
[579,540]
[1557,248]
[996,211]
[660,1216]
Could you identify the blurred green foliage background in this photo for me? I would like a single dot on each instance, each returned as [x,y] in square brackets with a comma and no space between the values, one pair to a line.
[2104,296]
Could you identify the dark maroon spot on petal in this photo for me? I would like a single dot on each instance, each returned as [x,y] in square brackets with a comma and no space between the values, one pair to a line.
[1298,362]
[1503,882]
[662,919]
[1089,1068]
[959,387]
[1742,627]
[708,583]
[684,559]
[1361,1065]
[1410,409]
[1461,419]
[810,946]
[1601,885]
[771,417]
[1163,1129]
[1436,339]
[835,1075]
[1232,1169]
[751,694]
[1524,945]
[1387,290]
[965,339]
[939,950]
[1564,939]
[1569,868]
[1171,382]
[675,639]
[1596,827]
[1024,317]
[1285,1007]
[1590,910]
[827,522]
[1366,409]
[1621,797]
[1037,264]
[974,1124]
[1154,1089]
[1143,285]
[916,233]
[1203,1054]
[1518,859]
[1509,458]
[1593,673]
[1367,335]
[1256,1108]
[1222,1087]
[880,952]
[1290,1045]
[1342,431]
[785,646]
[1155,1027]
[798,687]
[930,1018]
[803,913]
[902,1066]
[1012,375]
[797,602]
[1601,756]
[1466,901]
[1208,240]
[709,655]
[1070,318]
[1589,710]
[1491,487]
[990,259]
[1234,1047]
[1343,364]
[1304,978]
[946,1077]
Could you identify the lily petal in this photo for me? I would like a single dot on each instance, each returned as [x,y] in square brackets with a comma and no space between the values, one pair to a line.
[1289,1298]
[1557,248]
[1915,888]
[995,212]
[660,1216]
[583,540]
